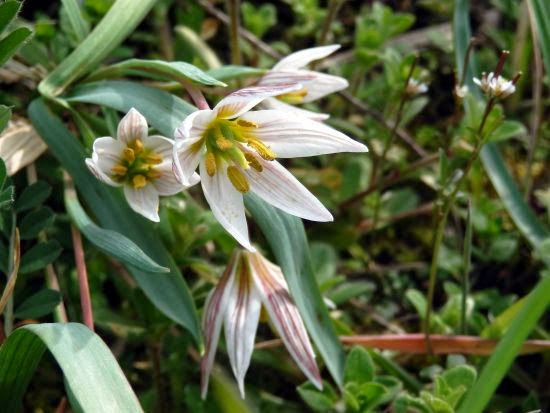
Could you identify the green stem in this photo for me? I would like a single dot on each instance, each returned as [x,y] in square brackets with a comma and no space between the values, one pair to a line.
[8,312]
[233,8]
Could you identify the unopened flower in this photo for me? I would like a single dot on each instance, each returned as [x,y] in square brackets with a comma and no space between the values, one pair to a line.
[415,87]
[20,145]
[141,164]
[496,86]
[461,91]
[236,150]
[249,281]
[315,84]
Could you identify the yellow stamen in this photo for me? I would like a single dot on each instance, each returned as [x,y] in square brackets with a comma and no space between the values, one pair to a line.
[138,146]
[119,170]
[253,162]
[238,179]
[246,123]
[139,181]
[224,143]
[262,149]
[153,158]
[294,97]
[153,174]
[128,154]
[210,164]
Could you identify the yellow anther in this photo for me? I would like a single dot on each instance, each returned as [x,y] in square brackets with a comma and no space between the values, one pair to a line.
[153,158]
[262,149]
[139,181]
[119,169]
[238,179]
[153,174]
[137,146]
[210,164]
[224,143]
[128,154]
[294,97]
[246,123]
[253,162]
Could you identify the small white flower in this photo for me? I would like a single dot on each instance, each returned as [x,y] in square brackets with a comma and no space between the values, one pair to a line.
[415,87]
[495,86]
[461,91]
[140,163]
[236,150]
[249,281]
[315,84]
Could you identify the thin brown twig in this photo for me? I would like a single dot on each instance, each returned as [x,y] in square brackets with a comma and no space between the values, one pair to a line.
[427,208]
[82,273]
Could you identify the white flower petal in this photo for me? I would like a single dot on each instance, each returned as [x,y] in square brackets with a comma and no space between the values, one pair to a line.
[214,311]
[194,125]
[241,101]
[167,183]
[145,201]
[226,204]
[160,145]
[99,174]
[291,136]
[277,77]
[302,58]
[107,153]
[276,104]
[185,160]
[322,84]
[278,187]
[241,322]
[284,315]
[132,126]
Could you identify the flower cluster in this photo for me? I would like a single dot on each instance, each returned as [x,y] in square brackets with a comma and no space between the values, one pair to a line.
[236,149]
[495,85]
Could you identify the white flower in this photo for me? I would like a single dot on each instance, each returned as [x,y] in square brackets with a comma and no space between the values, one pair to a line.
[315,84]
[236,150]
[415,87]
[140,163]
[248,282]
[461,91]
[495,86]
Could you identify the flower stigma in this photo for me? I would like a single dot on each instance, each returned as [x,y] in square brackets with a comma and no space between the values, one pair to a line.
[136,166]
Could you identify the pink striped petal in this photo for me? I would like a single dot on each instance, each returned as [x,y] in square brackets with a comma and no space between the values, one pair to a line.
[276,104]
[241,101]
[241,322]
[302,58]
[132,126]
[284,315]
[214,311]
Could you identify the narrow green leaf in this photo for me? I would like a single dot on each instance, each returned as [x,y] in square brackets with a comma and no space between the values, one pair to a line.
[8,11]
[79,26]
[110,242]
[287,238]
[120,21]
[178,71]
[541,12]
[5,115]
[7,197]
[168,292]
[163,111]
[33,195]
[35,221]
[10,43]
[38,305]
[39,256]
[3,173]
[231,72]
[91,371]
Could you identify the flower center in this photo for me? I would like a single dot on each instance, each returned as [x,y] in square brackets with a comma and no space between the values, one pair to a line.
[293,97]
[232,144]
[136,166]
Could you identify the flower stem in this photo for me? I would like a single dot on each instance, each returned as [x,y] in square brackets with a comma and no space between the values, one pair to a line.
[233,8]
[333,7]
[196,95]
[82,273]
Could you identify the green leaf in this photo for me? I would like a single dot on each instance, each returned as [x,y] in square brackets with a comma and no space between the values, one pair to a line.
[7,197]
[231,72]
[35,221]
[168,292]
[318,401]
[110,242]
[462,375]
[287,238]
[178,71]
[10,43]
[119,22]
[507,130]
[33,195]
[5,115]
[79,25]
[39,304]
[359,366]
[8,11]
[163,111]
[541,11]
[90,370]
[39,256]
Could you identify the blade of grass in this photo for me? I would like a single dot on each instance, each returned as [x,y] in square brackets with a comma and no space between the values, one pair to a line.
[119,22]
[80,27]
